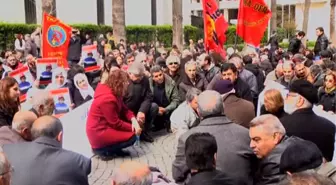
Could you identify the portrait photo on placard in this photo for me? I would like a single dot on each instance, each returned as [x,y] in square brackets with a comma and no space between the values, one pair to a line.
[90,56]
[83,91]
[62,101]
[24,79]
[45,67]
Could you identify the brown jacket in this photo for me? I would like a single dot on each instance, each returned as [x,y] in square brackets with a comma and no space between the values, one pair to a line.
[238,110]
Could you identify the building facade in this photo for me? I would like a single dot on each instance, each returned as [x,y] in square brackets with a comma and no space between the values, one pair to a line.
[140,12]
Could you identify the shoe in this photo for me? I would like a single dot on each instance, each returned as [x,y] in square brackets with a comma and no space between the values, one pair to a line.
[167,126]
[156,129]
[169,130]
[106,157]
[122,153]
[146,138]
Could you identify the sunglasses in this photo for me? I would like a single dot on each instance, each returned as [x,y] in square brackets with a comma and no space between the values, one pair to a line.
[173,63]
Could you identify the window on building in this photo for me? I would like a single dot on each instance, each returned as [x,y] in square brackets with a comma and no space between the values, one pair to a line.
[292,13]
[279,16]
[100,12]
[30,11]
[200,13]
[233,14]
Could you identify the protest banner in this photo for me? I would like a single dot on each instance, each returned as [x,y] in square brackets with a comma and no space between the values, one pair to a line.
[215,27]
[24,79]
[253,17]
[44,67]
[62,101]
[90,58]
[74,126]
[55,39]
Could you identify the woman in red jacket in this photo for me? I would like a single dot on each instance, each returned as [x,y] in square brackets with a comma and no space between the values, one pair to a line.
[110,125]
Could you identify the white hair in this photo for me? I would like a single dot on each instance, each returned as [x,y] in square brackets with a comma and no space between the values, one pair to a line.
[172,59]
[210,103]
[136,68]
[190,63]
[123,178]
[270,123]
[40,97]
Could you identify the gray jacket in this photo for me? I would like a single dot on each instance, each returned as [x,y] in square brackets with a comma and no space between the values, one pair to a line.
[45,163]
[250,79]
[234,156]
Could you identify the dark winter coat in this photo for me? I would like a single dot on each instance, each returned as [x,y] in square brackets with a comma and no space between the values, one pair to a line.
[328,100]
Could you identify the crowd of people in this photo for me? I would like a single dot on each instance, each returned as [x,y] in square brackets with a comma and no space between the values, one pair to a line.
[254,117]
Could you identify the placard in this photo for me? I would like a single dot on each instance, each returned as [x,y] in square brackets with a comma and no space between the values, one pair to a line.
[44,68]
[62,101]
[24,79]
[90,58]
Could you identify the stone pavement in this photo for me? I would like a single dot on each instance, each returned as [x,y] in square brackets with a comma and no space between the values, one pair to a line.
[158,154]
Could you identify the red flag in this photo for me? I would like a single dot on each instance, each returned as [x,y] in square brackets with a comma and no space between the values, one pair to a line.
[215,27]
[253,17]
[55,39]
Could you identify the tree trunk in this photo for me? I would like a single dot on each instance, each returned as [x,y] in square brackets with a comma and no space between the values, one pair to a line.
[49,6]
[118,19]
[177,24]
[274,16]
[307,4]
[332,21]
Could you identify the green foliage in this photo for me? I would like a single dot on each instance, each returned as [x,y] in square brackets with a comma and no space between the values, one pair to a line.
[135,33]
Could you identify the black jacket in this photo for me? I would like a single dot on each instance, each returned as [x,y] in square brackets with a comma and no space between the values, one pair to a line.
[211,177]
[243,90]
[304,123]
[279,114]
[321,44]
[139,96]
[269,167]
[75,49]
[78,99]
[185,85]
[328,100]
[294,45]
[5,119]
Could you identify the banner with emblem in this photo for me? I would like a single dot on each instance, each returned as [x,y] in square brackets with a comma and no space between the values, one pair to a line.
[55,39]
[44,67]
[24,79]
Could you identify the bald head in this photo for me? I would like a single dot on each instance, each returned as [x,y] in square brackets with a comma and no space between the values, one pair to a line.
[23,119]
[47,126]
[210,103]
[132,172]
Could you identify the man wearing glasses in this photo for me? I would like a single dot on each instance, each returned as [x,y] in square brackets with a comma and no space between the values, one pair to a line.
[303,122]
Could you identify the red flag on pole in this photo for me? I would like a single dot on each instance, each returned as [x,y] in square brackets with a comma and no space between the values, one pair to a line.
[55,39]
[215,27]
[253,17]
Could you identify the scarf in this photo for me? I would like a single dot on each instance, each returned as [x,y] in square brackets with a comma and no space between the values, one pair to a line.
[84,92]
[329,90]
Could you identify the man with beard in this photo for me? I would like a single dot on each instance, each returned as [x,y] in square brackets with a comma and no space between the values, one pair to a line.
[303,122]
[288,74]
[301,71]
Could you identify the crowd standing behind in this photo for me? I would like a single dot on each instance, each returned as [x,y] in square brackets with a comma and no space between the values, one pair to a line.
[265,117]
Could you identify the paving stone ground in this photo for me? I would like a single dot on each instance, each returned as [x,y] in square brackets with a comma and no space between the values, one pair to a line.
[158,154]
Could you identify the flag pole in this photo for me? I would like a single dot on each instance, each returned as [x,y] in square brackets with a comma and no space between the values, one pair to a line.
[235,43]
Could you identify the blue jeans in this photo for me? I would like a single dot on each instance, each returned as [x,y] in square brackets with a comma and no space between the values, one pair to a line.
[112,149]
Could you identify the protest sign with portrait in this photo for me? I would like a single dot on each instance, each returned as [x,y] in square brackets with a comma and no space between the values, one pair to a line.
[90,58]
[24,79]
[62,101]
[44,67]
